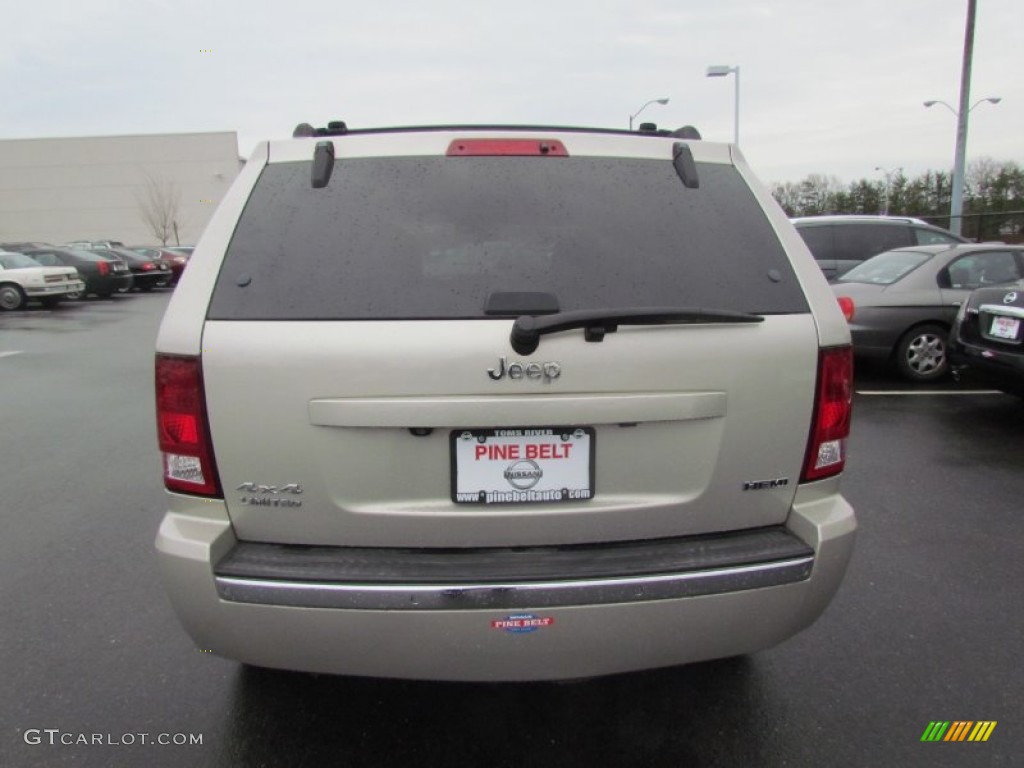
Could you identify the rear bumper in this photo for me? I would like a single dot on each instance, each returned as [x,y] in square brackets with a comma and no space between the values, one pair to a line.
[107,284]
[378,579]
[872,342]
[1003,370]
[592,613]
[53,289]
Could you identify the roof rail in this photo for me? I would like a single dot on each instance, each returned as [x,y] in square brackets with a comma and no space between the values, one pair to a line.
[339,128]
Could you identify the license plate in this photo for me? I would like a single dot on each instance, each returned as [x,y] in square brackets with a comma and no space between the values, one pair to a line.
[1004,327]
[534,465]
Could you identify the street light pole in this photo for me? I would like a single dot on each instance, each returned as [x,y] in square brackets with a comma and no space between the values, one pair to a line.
[721,70]
[956,205]
[645,106]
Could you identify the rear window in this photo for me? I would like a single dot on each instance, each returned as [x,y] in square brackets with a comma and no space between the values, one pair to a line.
[50,258]
[819,241]
[856,241]
[885,268]
[433,237]
[17,261]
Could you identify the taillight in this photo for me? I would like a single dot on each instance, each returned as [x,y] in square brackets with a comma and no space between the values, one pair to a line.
[182,428]
[846,304]
[833,404]
[104,268]
[148,266]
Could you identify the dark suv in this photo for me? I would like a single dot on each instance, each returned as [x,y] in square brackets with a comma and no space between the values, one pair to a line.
[840,243]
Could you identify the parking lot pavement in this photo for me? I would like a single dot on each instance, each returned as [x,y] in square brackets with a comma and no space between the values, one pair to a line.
[927,626]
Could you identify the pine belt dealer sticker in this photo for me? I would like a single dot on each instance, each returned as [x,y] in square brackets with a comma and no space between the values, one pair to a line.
[522,623]
[522,465]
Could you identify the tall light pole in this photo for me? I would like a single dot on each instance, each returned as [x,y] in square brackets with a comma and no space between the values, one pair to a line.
[888,182]
[645,106]
[721,70]
[956,203]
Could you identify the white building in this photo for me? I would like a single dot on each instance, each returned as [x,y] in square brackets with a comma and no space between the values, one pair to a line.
[98,188]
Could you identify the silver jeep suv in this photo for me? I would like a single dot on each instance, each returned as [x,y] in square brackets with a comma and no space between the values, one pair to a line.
[500,404]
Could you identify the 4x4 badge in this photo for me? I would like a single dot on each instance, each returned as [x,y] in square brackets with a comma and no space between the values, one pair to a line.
[275,489]
[546,372]
[255,495]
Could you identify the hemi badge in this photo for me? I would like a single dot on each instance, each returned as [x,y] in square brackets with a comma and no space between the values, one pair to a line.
[764,485]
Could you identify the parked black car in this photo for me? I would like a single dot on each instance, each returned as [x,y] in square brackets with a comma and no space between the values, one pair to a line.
[839,243]
[147,273]
[103,275]
[988,337]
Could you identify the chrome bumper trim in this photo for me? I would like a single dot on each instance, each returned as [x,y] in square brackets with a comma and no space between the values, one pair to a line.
[426,597]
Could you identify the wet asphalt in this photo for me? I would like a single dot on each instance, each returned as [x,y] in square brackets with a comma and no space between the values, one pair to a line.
[94,668]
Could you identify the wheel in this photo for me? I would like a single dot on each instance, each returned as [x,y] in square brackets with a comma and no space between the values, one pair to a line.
[921,354]
[11,297]
[75,295]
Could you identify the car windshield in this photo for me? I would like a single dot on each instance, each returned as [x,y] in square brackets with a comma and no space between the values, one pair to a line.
[886,268]
[17,261]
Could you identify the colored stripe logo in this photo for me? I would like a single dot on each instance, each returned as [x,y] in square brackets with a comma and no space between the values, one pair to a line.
[958,730]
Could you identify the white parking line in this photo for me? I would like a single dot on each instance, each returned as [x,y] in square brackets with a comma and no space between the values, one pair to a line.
[11,353]
[932,393]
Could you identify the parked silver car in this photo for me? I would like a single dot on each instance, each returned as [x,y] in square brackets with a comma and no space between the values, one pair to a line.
[500,404]
[904,301]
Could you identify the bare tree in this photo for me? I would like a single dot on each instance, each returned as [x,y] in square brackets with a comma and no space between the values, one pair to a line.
[818,194]
[160,207]
[787,195]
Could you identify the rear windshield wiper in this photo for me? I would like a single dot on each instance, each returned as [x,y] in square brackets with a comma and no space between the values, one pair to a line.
[527,330]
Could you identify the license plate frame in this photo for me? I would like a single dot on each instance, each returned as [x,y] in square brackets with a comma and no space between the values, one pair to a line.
[522,466]
[1003,328]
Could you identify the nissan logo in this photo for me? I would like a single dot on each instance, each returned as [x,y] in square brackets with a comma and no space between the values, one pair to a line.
[523,475]
[1010,297]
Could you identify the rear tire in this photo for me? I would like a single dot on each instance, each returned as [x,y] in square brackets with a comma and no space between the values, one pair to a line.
[922,353]
[11,297]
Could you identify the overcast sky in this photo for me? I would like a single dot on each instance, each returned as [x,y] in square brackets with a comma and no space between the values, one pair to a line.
[826,86]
